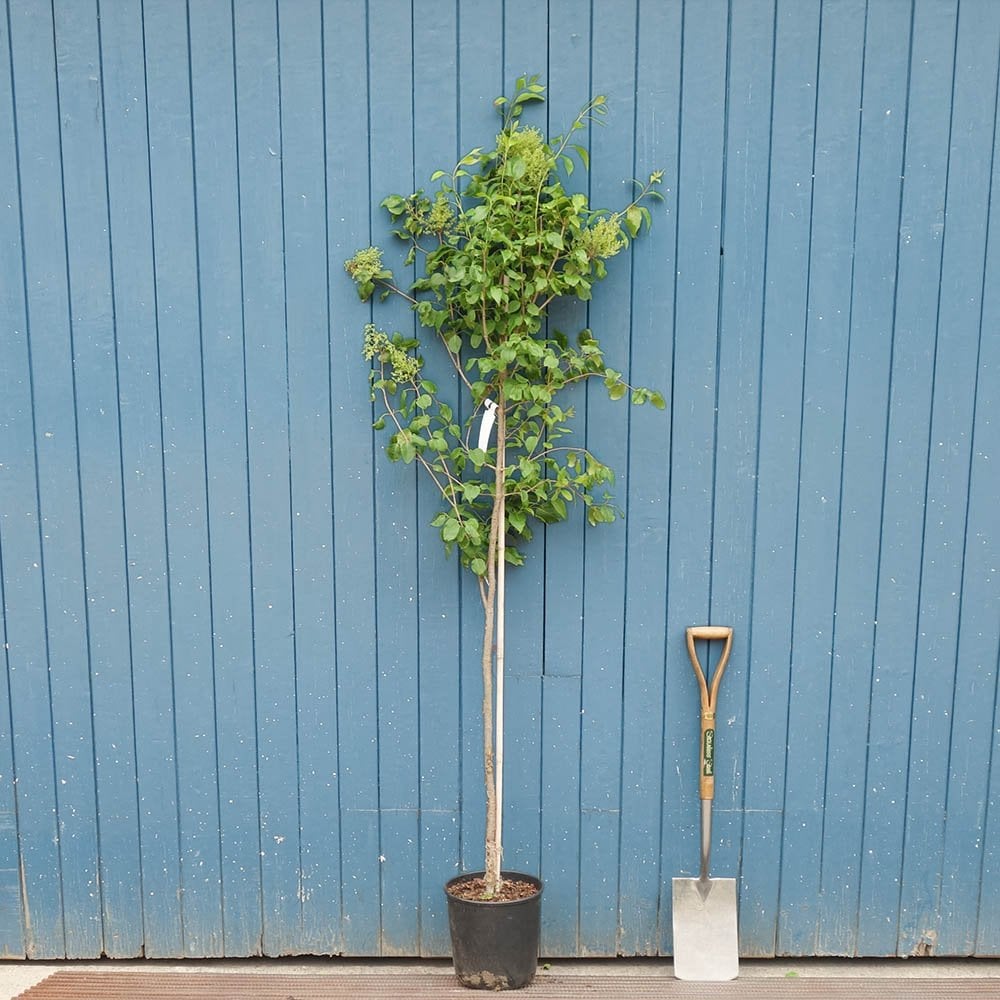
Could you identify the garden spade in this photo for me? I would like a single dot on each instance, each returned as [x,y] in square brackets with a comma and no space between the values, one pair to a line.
[705,939]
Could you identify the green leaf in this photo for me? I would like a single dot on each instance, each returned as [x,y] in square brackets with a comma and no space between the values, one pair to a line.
[633,220]
[513,556]
[478,566]
[394,204]
[451,530]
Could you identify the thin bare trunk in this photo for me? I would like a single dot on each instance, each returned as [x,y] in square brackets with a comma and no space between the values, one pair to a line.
[493,631]
[501,574]
[492,862]
[489,777]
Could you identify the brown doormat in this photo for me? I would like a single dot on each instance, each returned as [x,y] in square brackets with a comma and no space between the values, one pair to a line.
[153,985]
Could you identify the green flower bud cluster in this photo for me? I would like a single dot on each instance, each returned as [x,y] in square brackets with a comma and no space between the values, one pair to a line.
[365,264]
[603,239]
[365,267]
[403,367]
[441,216]
[528,146]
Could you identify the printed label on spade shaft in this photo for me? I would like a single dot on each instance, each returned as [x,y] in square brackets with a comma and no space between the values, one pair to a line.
[708,754]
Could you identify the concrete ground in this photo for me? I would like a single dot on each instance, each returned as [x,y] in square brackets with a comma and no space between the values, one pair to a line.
[15,977]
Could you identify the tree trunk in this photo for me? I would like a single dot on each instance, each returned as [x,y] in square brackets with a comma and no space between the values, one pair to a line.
[489,607]
[494,629]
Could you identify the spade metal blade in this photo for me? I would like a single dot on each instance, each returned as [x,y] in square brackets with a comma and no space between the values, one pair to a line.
[706,947]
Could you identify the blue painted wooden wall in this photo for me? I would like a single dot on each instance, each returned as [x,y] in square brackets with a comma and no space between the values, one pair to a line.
[240,687]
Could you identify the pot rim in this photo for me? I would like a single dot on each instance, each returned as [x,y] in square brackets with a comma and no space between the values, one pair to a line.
[518,876]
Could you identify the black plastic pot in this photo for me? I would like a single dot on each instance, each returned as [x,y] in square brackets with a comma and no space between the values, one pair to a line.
[495,945]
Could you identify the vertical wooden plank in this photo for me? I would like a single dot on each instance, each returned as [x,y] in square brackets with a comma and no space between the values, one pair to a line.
[261,182]
[301,38]
[345,35]
[570,79]
[838,99]
[12,938]
[988,923]
[221,294]
[609,433]
[871,310]
[89,268]
[172,158]
[480,70]
[647,504]
[741,306]
[181,396]
[435,140]
[396,522]
[701,149]
[560,819]
[524,52]
[791,152]
[68,920]
[569,87]
[908,430]
[940,674]
[17,504]
[133,271]
[37,860]
[978,639]
[966,906]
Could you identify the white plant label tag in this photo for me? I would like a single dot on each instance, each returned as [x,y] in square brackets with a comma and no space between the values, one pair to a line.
[487,425]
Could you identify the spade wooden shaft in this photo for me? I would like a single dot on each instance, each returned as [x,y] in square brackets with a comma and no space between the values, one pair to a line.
[709,699]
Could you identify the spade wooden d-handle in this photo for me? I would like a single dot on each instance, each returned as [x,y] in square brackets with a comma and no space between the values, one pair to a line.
[709,699]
